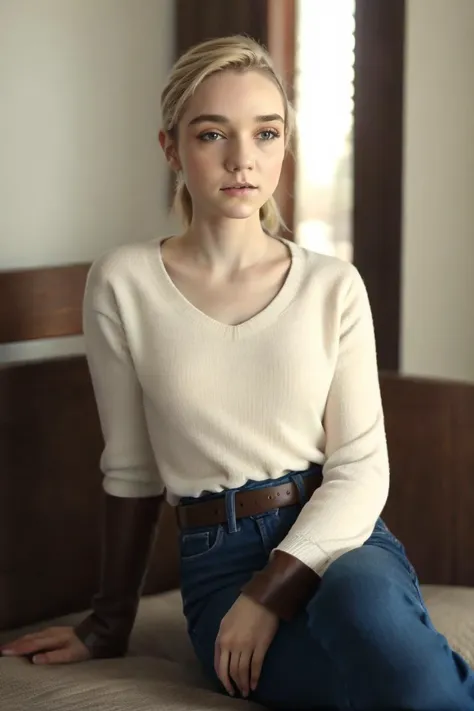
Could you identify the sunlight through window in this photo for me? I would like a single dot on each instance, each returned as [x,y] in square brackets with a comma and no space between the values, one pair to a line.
[324,89]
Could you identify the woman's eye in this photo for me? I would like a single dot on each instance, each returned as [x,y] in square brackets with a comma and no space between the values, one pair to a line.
[210,136]
[268,135]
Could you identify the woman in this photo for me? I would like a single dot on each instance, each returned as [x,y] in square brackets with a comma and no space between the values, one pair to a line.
[237,372]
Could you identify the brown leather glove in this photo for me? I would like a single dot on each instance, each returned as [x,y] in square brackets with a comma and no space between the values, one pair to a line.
[129,531]
[284,586]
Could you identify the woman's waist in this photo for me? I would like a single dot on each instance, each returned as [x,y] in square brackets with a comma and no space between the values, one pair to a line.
[252,498]
[201,473]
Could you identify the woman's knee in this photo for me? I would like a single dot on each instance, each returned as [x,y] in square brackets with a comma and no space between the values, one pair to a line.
[358,589]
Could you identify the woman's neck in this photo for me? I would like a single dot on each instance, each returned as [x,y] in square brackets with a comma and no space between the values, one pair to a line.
[225,247]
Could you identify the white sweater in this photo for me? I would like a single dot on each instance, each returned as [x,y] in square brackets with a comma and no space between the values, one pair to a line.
[188,404]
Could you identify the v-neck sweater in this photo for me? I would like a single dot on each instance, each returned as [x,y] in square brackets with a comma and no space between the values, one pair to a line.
[189,405]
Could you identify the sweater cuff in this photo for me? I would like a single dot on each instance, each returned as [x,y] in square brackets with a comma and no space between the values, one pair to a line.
[284,586]
[105,639]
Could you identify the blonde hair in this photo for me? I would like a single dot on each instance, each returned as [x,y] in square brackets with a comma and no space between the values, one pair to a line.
[238,53]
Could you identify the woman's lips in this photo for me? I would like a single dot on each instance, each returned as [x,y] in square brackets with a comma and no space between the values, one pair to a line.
[239,192]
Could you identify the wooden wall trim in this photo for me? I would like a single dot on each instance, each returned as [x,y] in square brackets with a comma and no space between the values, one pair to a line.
[431,501]
[199,20]
[378,165]
[51,495]
[41,303]
[282,15]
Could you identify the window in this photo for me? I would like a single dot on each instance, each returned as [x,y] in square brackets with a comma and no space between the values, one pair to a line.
[324,87]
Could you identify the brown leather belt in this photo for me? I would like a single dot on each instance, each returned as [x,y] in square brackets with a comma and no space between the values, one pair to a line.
[247,503]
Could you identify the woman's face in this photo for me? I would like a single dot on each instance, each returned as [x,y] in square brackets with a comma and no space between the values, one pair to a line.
[231,144]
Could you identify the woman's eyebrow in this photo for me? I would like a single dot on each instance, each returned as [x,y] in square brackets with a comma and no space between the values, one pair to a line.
[219,118]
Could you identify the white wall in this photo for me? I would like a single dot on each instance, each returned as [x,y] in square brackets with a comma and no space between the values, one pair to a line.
[438,229]
[80,166]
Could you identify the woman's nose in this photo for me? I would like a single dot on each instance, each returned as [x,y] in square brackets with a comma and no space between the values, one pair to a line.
[240,157]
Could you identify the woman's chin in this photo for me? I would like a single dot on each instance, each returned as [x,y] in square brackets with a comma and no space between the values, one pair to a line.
[239,212]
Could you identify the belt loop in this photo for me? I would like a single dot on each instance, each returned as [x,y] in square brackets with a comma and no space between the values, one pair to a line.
[297,479]
[230,511]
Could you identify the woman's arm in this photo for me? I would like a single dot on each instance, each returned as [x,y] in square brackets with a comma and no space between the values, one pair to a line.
[127,462]
[133,488]
[342,513]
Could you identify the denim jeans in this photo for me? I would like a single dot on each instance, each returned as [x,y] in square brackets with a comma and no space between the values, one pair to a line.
[364,641]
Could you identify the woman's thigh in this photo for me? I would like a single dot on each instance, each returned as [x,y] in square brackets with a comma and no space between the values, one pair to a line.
[370,615]
[303,668]
[363,631]
[296,673]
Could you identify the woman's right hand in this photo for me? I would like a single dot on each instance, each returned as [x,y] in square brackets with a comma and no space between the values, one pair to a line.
[54,645]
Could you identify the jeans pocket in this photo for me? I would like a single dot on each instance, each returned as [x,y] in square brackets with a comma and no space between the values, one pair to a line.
[274,526]
[196,543]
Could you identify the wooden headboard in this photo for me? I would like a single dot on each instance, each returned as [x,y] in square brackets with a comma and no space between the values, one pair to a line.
[50,445]
[50,484]
[430,431]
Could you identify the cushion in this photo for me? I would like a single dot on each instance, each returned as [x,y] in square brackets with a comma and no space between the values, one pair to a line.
[130,684]
[161,672]
[452,612]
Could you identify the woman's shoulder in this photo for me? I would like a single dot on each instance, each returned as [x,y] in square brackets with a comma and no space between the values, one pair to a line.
[116,271]
[122,262]
[328,270]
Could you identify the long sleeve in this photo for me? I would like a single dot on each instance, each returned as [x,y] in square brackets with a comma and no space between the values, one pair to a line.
[129,529]
[133,500]
[341,514]
[128,462]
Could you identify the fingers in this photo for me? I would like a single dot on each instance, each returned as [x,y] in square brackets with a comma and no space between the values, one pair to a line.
[57,656]
[55,645]
[243,667]
[242,676]
[256,666]
[221,665]
[234,665]
[10,648]
[29,644]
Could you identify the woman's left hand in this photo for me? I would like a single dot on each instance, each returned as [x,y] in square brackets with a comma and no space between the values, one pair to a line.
[245,635]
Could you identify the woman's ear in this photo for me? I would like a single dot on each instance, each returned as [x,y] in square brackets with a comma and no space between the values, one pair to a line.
[170,150]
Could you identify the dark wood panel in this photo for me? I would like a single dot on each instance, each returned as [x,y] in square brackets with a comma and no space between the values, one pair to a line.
[282,47]
[378,148]
[51,494]
[462,434]
[49,490]
[419,420]
[199,20]
[431,504]
[41,303]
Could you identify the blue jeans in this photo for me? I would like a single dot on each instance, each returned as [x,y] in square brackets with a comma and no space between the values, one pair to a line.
[364,641]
